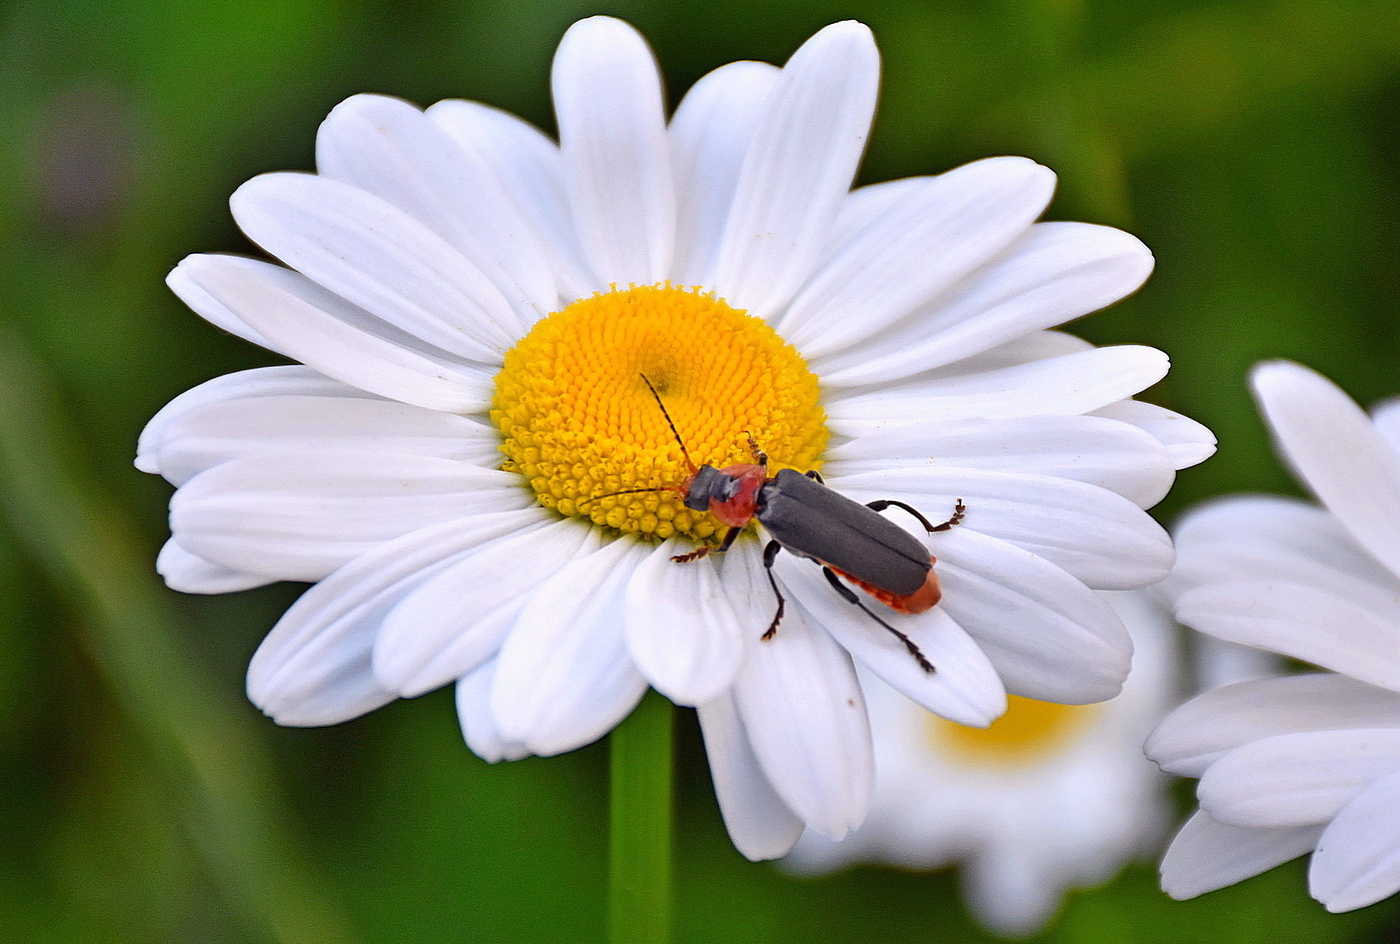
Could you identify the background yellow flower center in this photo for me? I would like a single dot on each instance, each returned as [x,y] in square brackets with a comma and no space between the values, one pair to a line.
[579,422]
[1029,732]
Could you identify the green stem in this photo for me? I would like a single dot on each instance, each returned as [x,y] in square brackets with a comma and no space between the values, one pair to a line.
[640,812]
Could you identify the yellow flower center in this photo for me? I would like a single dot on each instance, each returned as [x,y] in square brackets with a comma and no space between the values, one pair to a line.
[1028,733]
[579,421]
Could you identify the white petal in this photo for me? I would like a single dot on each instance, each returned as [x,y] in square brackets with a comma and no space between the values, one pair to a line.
[328,334]
[1050,637]
[964,686]
[564,677]
[1187,441]
[1303,621]
[918,249]
[1357,862]
[474,714]
[217,432]
[1102,452]
[389,148]
[1207,855]
[187,573]
[1054,273]
[802,706]
[376,256]
[1101,538]
[864,205]
[1036,346]
[710,135]
[1013,892]
[1195,735]
[799,168]
[1332,445]
[1074,383]
[759,823]
[1245,537]
[1386,416]
[214,311]
[617,167]
[298,516]
[1298,779]
[681,630]
[291,380]
[454,621]
[530,170]
[314,667]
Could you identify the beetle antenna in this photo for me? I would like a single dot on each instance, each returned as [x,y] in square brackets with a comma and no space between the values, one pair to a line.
[681,442]
[626,491]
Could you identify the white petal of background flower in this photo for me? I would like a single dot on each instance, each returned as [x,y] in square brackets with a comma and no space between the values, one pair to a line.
[1198,733]
[1386,417]
[1253,537]
[1310,762]
[1333,446]
[1206,855]
[1357,862]
[1298,779]
[1301,621]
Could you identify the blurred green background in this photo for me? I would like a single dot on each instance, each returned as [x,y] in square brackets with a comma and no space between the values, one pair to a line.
[1254,145]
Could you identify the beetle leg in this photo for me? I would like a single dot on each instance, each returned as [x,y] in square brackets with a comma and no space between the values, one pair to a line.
[959,509]
[769,553]
[704,549]
[850,597]
[815,476]
[694,555]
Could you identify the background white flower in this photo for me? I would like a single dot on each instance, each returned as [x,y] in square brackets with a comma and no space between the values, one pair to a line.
[1306,762]
[427,251]
[1048,799]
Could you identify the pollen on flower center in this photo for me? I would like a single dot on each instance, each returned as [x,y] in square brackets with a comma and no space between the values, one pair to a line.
[1029,732]
[579,422]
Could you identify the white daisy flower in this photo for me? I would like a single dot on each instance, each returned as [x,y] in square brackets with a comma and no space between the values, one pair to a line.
[480,317]
[1049,798]
[1304,762]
